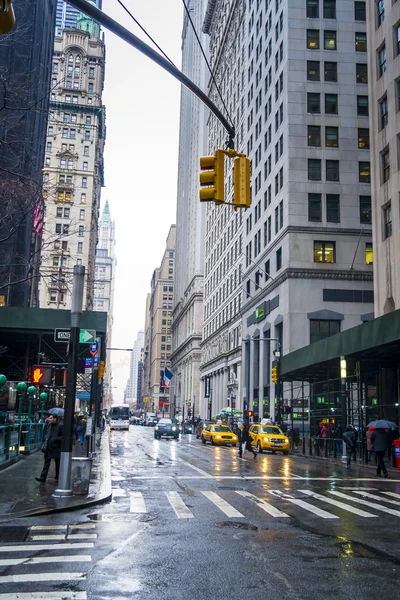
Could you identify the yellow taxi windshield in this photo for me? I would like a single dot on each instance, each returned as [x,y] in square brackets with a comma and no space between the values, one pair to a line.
[220,428]
[270,430]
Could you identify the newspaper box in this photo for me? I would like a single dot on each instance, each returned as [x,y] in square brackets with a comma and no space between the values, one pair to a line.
[81,470]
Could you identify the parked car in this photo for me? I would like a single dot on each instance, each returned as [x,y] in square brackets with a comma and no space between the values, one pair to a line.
[187,427]
[268,437]
[218,434]
[167,427]
[200,426]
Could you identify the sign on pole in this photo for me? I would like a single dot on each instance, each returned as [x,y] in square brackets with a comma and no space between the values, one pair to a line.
[62,335]
[94,348]
[88,365]
[86,336]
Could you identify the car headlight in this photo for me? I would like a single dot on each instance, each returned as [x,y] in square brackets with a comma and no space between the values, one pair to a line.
[173,429]
[156,426]
[217,437]
[286,440]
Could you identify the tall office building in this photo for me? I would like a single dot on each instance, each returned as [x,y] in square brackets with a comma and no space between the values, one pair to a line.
[25,59]
[383,20]
[308,238]
[67,15]
[221,346]
[73,169]
[187,316]
[134,382]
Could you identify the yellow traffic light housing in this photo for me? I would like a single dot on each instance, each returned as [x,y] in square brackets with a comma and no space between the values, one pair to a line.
[7,16]
[241,183]
[275,374]
[212,178]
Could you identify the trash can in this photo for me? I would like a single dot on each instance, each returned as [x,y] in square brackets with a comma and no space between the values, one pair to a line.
[81,470]
[396,444]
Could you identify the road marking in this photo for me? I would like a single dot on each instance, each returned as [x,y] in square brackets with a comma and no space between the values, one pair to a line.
[81,536]
[204,473]
[118,493]
[126,445]
[392,494]
[36,577]
[83,526]
[46,527]
[226,508]
[305,505]
[375,497]
[34,547]
[137,503]
[353,489]
[356,511]
[47,537]
[268,508]
[261,478]
[390,511]
[66,595]
[180,508]
[44,559]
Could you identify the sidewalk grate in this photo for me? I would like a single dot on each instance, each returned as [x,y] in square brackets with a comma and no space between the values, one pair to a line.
[13,534]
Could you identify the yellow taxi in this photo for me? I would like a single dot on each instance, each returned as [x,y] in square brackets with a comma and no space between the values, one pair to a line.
[268,437]
[218,434]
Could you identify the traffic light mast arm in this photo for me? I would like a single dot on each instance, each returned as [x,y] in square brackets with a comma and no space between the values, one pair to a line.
[133,40]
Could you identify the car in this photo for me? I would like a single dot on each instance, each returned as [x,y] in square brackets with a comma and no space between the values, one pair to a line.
[187,427]
[202,425]
[151,422]
[218,434]
[167,427]
[268,437]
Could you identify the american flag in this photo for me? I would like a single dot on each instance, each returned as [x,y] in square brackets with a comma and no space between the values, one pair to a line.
[38,215]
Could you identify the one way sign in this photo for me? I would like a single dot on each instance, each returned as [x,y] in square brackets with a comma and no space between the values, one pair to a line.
[62,335]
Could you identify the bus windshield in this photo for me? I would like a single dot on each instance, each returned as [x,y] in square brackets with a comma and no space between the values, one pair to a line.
[119,413]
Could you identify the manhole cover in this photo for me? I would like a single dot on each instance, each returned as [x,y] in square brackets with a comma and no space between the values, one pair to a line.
[237,525]
[13,534]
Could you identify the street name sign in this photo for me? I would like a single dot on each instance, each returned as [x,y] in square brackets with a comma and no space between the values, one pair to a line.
[86,336]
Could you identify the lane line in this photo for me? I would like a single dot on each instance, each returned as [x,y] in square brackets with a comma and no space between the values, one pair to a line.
[305,505]
[81,536]
[262,477]
[268,508]
[180,508]
[376,497]
[34,547]
[137,503]
[204,473]
[66,595]
[37,577]
[389,511]
[9,562]
[342,505]
[222,504]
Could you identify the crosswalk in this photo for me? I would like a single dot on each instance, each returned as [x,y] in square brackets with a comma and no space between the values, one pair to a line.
[50,558]
[278,504]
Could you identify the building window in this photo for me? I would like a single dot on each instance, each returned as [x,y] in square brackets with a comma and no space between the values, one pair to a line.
[313,70]
[74,118]
[66,213]
[383,108]
[90,88]
[359,11]
[369,254]
[330,71]
[329,9]
[313,39]
[86,151]
[385,165]
[48,147]
[82,214]
[68,98]
[330,40]
[55,67]
[83,198]
[319,330]
[364,172]
[65,132]
[315,207]
[80,247]
[361,73]
[81,230]
[91,71]
[314,169]
[87,134]
[361,42]
[332,170]
[88,120]
[85,165]
[84,182]
[382,61]
[331,104]
[365,210]
[58,212]
[397,39]
[313,103]
[312,9]
[90,100]
[362,106]
[64,246]
[74,99]
[363,139]
[279,259]
[380,12]
[65,229]
[325,252]
[387,220]
[331,137]
[314,135]
[333,208]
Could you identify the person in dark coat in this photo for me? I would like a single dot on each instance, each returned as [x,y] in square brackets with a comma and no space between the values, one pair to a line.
[52,447]
[244,440]
[350,439]
[380,442]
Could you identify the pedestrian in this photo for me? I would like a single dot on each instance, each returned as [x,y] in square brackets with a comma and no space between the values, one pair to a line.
[338,438]
[81,428]
[380,444]
[51,447]
[370,446]
[244,440]
[350,439]
[103,422]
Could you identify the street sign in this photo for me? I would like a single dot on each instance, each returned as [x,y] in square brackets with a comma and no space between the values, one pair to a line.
[101,369]
[96,362]
[94,348]
[62,335]
[86,336]
[88,365]
[145,399]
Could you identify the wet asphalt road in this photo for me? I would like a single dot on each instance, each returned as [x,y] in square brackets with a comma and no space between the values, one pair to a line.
[191,521]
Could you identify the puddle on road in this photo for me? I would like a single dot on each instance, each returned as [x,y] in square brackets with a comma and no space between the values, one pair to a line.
[237,525]
[122,518]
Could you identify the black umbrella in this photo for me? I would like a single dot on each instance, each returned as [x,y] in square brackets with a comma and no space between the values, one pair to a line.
[58,412]
[383,424]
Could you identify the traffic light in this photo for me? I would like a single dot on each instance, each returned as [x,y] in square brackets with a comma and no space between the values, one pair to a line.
[241,183]
[275,374]
[41,375]
[212,178]
[7,16]
[250,413]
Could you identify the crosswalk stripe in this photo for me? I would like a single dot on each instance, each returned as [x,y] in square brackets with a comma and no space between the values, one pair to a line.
[118,493]
[375,497]
[137,503]
[268,508]
[180,508]
[9,562]
[83,526]
[392,494]
[38,577]
[81,536]
[34,547]
[65,595]
[47,537]
[389,511]
[347,507]
[226,508]
[306,505]
[61,527]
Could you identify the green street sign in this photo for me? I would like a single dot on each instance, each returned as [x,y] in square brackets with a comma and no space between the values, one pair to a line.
[86,336]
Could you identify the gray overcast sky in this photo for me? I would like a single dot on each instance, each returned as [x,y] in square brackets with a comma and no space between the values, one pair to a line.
[141,161]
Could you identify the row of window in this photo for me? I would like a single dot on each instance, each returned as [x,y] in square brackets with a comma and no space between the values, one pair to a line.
[65,212]
[332,206]
[332,137]
[65,147]
[71,68]
[229,312]
[68,163]
[332,170]
[330,40]
[329,10]
[331,106]
[64,229]
[331,73]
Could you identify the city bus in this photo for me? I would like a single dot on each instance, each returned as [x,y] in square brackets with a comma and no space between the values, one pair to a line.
[119,416]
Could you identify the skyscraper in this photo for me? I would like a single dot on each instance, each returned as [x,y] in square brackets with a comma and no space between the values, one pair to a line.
[134,380]
[67,15]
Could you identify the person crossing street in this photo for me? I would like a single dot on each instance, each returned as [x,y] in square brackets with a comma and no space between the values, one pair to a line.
[244,440]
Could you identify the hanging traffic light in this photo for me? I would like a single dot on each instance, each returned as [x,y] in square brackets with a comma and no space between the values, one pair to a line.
[241,183]
[7,16]
[274,374]
[212,178]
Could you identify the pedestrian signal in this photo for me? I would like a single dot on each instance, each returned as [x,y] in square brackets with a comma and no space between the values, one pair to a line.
[41,375]
[241,183]
[212,178]
[274,374]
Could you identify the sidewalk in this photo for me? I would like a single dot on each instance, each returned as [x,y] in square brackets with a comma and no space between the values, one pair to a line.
[21,495]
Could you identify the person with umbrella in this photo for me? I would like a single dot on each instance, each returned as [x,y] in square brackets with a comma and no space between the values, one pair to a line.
[51,447]
[350,439]
[380,442]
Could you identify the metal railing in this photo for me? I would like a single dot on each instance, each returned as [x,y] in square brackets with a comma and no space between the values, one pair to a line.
[19,439]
